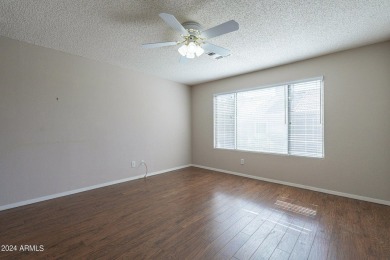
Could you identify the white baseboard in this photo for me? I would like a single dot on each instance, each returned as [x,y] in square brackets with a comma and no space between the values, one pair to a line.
[57,195]
[66,193]
[342,194]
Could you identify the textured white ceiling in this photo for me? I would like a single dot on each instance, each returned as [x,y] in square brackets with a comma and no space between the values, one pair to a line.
[271,32]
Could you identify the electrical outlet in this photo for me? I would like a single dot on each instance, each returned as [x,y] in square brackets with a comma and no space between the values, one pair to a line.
[242,161]
[132,164]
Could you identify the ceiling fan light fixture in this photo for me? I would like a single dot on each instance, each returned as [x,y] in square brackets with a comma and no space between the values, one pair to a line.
[183,50]
[190,55]
[191,47]
[199,50]
[193,37]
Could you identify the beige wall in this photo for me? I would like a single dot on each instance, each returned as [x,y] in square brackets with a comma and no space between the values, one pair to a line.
[357,124]
[105,117]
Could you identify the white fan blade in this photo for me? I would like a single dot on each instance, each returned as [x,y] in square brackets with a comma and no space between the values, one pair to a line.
[174,23]
[158,44]
[208,47]
[218,30]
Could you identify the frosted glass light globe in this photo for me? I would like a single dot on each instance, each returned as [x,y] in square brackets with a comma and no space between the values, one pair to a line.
[191,47]
[190,55]
[183,50]
[199,51]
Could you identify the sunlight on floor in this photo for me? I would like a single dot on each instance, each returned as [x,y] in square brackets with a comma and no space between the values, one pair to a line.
[296,208]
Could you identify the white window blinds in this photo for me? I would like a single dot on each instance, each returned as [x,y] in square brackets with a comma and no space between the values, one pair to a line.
[285,119]
[305,124]
[261,120]
[225,121]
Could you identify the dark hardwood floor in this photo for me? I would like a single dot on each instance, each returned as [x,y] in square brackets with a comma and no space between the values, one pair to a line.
[197,214]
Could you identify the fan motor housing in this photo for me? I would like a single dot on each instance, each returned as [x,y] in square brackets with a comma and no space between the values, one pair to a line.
[192,27]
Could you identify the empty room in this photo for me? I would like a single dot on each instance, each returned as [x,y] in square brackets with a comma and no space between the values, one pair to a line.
[195,129]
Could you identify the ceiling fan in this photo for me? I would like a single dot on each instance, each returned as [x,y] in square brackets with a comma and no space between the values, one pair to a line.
[193,40]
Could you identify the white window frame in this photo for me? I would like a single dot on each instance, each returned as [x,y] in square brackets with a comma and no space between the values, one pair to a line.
[321,79]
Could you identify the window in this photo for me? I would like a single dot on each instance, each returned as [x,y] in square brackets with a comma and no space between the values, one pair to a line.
[283,119]
[261,120]
[225,120]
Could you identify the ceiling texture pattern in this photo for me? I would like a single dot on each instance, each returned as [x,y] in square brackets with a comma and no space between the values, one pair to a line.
[271,33]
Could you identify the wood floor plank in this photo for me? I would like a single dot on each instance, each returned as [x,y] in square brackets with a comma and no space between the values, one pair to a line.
[279,255]
[257,222]
[197,214]
[233,246]
[217,244]
[305,241]
[319,249]
[247,250]
[287,242]
[265,250]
